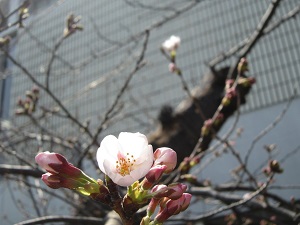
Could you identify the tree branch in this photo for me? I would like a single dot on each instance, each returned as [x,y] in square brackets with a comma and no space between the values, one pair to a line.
[70,219]
[20,170]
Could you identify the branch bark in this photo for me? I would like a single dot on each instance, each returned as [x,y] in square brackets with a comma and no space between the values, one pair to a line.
[20,170]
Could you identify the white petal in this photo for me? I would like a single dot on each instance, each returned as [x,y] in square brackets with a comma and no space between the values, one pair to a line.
[108,150]
[124,181]
[133,143]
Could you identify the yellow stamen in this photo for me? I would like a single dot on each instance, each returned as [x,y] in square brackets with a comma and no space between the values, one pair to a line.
[124,164]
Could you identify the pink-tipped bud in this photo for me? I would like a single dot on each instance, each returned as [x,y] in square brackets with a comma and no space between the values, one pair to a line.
[155,173]
[35,89]
[172,67]
[243,66]
[229,83]
[205,130]
[159,190]
[63,174]
[185,166]
[152,206]
[51,180]
[230,93]
[165,156]
[173,191]
[195,160]
[57,164]
[173,207]
[55,181]
[185,201]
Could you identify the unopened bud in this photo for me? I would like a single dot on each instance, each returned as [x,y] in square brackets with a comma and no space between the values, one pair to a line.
[184,166]
[165,156]
[195,161]
[192,179]
[153,176]
[4,41]
[246,81]
[275,166]
[219,119]
[172,67]
[229,83]
[206,128]
[243,66]
[225,101]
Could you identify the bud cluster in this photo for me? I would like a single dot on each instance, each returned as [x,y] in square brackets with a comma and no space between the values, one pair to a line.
[188,163]
[171,199]
[62,174]
[169,48]
[23,13]
[28,106]
[72,25]
[4,41]
[239,86]
[273,167]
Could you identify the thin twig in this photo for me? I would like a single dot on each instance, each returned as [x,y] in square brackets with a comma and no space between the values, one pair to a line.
[230,206]
[35,81]
[139,64]
[255,37]
[270,126]
[20,170]
[68,219]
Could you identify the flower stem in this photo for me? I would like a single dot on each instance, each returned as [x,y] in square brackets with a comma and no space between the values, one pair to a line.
[117,202]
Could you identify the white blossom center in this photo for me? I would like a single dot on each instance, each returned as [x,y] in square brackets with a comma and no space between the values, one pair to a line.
[125,164]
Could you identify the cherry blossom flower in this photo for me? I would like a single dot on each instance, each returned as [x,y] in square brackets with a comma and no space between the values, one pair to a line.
[171,44]
[125,159]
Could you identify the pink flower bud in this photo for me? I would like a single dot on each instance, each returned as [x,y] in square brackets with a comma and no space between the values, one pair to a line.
[151,206]
[173,207]
[155,173]
[243,65]
[173,191]
[61,173]
[159,189]
[230,93]
[195,160]
[35,89]
[229,83]
[185,201]
[172,67]
[55,181]
[57,164]
[165,156]
[206,128]
[51,180]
